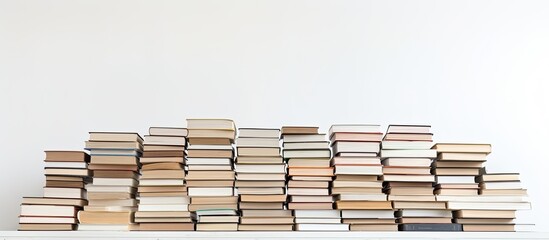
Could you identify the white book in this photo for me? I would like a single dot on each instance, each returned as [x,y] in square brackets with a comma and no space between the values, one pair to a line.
[260,168]
[216,191]
[115,181]
[322,227]
[307,153]
[339,183]
[317,220]
[257,191]
[372,147]
[375,214]
[406,145]
[358,170]
[488,205]
[407,162]
[66,165]
[168,131]
[304,138]
[165,140]
[261,176]
[163,200]
[408,178]
[501,185]
[163,207]
[208,161]
[355,128]
[52,192]
[394,128]
[48,211]
[104,227]
[317,213]
[424,213]
[68,220]
[362,197]
[216,212]
[308,191]
[408,153]
[482,198]
[306,145]
[210,147]
[161,182]
[258,142]
[259,133]
[456,179]
[356,161]
[113,202]
[119,152]
[112,189]
[209,167]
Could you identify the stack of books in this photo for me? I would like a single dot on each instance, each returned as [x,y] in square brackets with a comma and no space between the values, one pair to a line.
[111,196]
[494,210]
[210,177]
[64,193]
[261,181]
[406,157]
[357,186]
[308,155]
[163,200]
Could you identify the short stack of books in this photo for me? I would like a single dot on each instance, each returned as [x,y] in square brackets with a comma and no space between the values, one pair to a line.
[163,200]
[111,196]
[66,174]
[357,186]
[406,156]
[210,176]
[308,155]
[261,181]
[494,210]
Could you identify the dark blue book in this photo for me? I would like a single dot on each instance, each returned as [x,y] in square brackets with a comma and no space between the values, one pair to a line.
[431,227]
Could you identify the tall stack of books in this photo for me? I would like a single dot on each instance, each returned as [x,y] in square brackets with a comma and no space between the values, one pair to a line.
[163,200]
[261,181]
[357,186]
[210,177]
[64,193]
[406,156]
[111,196]
[308,155]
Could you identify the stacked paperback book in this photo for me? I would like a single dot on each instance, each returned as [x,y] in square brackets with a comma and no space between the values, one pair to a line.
[163,200]
[481,201]
[210,177]
[111,195]
[261,181]
[64,193]
[407,155]
[308,155]
[357,186]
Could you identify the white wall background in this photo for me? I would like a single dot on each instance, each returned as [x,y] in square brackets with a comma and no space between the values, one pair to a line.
[476,70]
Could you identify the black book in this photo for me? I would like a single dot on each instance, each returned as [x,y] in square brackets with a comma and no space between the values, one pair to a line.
[431,227]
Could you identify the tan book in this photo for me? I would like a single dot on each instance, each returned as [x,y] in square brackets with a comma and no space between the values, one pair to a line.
[87,217]
[356,137]
[458,164]
[365,178]
[265,227]
[211,123]
[263,198]
[354,190]
[411,198]
[489,228]
[261,176]
[427,137]
[418,205]
[214,200]
[424,220]
[114,160]
[374,227]
[210,175]
[210,133]
[163,153]
[294,171]
[145,160]
[501,214]
[53,201]
[296,205]
[166,227]
[456,171]
[115,137]
[445,156]
[410,191]
[163,194]
[162,166]
[162,148]
[210,141]
[357,184]
[485,220]
[267,220]
[457,186]
[65,178]
[113,145]
[163,220]
[64,184]
[307,184]
[408,178]
[266,213]
[210,183]
[216,226]
[463,147]
[218,153]
[312,162]
[261,205]
[287,130]
[45,227]
[503,192]
[159,174]
[409,184]
[171,214]
[456,191]
[354,221]
[367,161]
[500,177]
[305,199]
[109,195]
[67,172]
[258,160]
[115,174]
[406,170]
[255,151]
[267,184]
[197,207]
[144,189]
[113,167]
[363,205]
[66,156]
[218,219]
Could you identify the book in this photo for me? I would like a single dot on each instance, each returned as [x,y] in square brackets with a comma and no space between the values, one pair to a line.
[48,211]
[259,133]
[463,147]
[217,124]
[168,131]
[115,137]
[428,227]
[66,156]
[321,227]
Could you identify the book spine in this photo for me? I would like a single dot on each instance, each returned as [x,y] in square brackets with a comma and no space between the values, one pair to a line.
[431,227]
